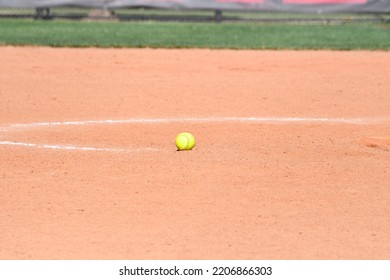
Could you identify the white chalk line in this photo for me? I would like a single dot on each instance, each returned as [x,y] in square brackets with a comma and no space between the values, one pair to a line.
[258,120]
[77,148]
[248,120]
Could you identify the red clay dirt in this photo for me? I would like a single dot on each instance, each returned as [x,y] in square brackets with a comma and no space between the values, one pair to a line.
[249,190]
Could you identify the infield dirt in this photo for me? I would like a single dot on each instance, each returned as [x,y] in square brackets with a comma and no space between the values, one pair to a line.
[297,190]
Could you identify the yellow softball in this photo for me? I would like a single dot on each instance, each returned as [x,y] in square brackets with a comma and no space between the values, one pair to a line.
[185,141]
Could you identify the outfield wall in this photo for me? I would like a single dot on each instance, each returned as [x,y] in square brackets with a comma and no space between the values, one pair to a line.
[313,6]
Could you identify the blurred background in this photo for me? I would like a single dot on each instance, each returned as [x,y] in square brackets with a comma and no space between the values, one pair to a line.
[323,11]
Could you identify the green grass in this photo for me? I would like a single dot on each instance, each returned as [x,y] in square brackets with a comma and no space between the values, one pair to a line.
[60,33]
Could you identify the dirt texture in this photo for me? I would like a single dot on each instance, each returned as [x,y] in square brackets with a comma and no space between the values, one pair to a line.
[313,185]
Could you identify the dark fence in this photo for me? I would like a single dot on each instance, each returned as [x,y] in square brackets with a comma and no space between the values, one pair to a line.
[201,10]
